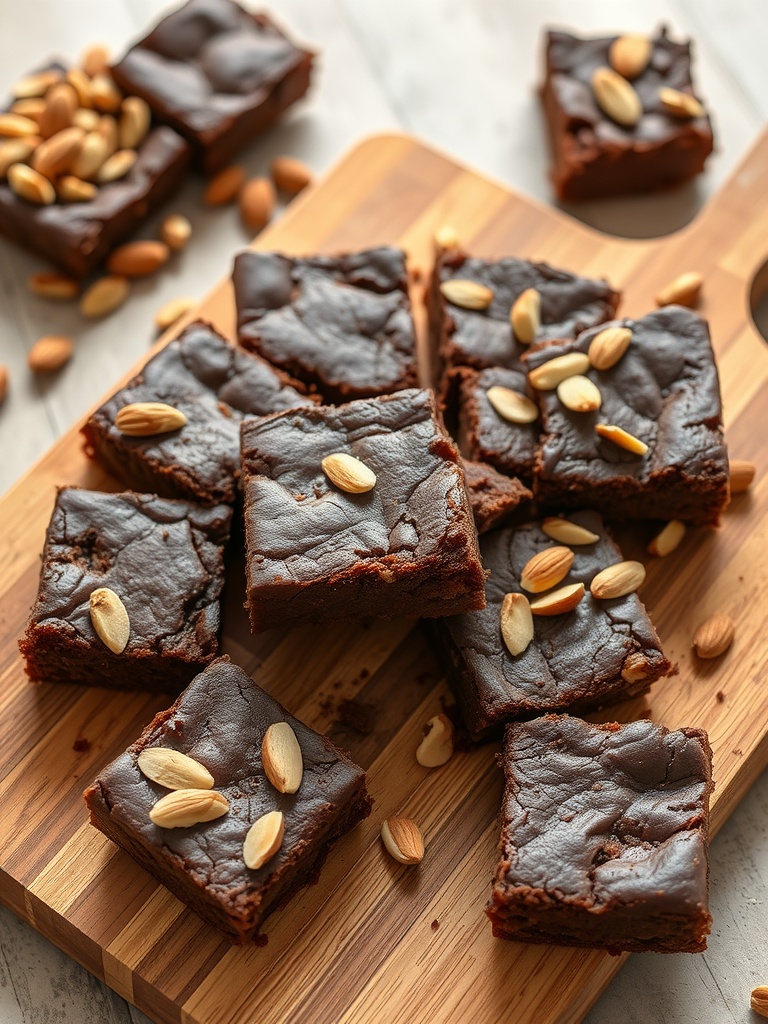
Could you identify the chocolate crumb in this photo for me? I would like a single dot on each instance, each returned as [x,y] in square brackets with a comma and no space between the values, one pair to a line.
[435,925]
[674,671]
[81,744]
[364,673]
[357,715]
[261,939]
[720,696]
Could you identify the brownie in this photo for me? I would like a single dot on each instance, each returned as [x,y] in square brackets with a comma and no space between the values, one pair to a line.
[593,155]
[217,74]
[342,324]
[495,499]
[604,834]
[600,652]
[665,392]
[220,721]
[163,559]
[214,384]
[317,553]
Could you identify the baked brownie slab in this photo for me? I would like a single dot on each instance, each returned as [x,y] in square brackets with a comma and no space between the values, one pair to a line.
[600,652]
[665,392]
[342,324]
[164,561]
[596,156]
[404,545]
[214,385]
[604,836]
[495,499]
[220,721]
[217,74]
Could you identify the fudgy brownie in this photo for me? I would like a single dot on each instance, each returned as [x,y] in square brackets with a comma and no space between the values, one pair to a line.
[220,721]
[595,155]
[604,836]
[342,324]
[495,499]
[600,652]
[665,392]
[164,561]
[214,384]
[217,74]
[402,543]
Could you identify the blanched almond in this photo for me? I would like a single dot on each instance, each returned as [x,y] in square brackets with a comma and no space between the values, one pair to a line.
[176,231]
[184,808]
[546,569]
[579,394]
[629,55]
[558,602]
[622,438]
[137,259]
[109,618]
[616,97]
[104,296]
[31,185]
[617,580]
[683,291]
[446,237]
[257,203]
[566,532]
[714,636]
[403,840]
[680,104]
[172,769]
[512,406]
[135,118]
[172,311]
[348,473]
[224,187]
[290,175]
[665,542]
[50,353]
[467,294]
[608,346]
[116,166]
[281,758]
[742,473]
[145,419]
[263,839]
[547,376]
[516,623]
[70,189]
[53,286]
[437,746]
[525,316]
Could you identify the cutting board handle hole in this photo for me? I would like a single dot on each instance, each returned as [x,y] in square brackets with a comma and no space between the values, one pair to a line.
[758,300]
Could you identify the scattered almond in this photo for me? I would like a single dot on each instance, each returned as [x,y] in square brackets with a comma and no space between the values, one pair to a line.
[348,473]
[557,602]
[525,316]
[566,532]
[759,1000]
[61,102]
[446,237]
[511,405]
[579,394]
[622,438]
[547,376]
[467,294]
[184,808]
[516,623]
[172,311]
[4,377]
[224,187]
[616,97]
[144,419]
[56,154]
[91,154]
[53,286]
[50,353]
[742,474]
[35,85]
[635,668]
[437,746]
[617,580]
[629,55]
[263,839]
[14,151]
[31,185]
[683,291]
[110,619]
[665,542]
[172,769]
[680,104]
[116,166]
[609,346]
[15,126]
[281,758]
[290,175]
[135,118]
[176,231]
[546,569]
[104,296]
[403,840]
[95,60]
[137,259]
[257,203]
[105,95]
[70,189]
[714,636]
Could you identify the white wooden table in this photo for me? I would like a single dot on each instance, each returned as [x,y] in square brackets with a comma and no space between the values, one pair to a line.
[460,75]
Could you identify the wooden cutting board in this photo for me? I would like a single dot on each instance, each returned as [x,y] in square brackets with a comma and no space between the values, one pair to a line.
[373,941]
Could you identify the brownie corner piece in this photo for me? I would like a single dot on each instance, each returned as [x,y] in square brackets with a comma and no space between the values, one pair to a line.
[405,546]
[220,721]
[495,499]
[604,836]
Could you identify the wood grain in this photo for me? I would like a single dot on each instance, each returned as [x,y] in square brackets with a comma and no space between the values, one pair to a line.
[360,945]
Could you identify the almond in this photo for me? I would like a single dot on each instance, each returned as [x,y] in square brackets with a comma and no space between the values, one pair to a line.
[617,580]
[61,102]
[14,126]
[4,377]
[116,166]
[467,294]
[680,104]
[446,237]
[14,151]
[683,291]
[290,175]
[56,154]
[512,406]
[546,569]
[74,190]
[137,259]
[86,119]
[635,668]
[579,394]
[516,623]
[437,746]
[104,296]
[33,109]
[742,474]
[263,839]
[50,353]
[616,97]
[145,419]
[105,95]
[257,203]
[31,185]
[184,808]
[53,286]
[172,311]
[348,473]
[224,186]
[135,118]
[95,60]
[176,231]
[81,83]
[547,376]
[110,619]
[35,85]
[629,55]
[91,154]
[172,769]
[403,840]
[557,602]
[281,758]
[109,132]
[622,438]
[758,1001]
[525,316]
[609,346]
[714,636]
[566,532]
[665,542]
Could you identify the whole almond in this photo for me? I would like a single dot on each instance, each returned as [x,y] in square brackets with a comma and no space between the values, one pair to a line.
[566,532]
[32,108]
[635,668]
[172,311]
[4,378]
[15,126]
[95,60]
[257,203]
[35,85]
[609,346]
[56,154]
[348,473]
[145,419]
[137,259]
[680,104]
[290,175]
[91,154]
[281,758]
[622,438]
[86,119]
[110,619]
[558,602]
[31,185]
[184,808]
[176,231]
[104,296]
[50,353]
[81,83]
[525,316]
[105,95]
[116,166]
[683,291]
[616,97]
[714,636]
[665,542]
[14,151]
[61,102]
[512,406]
[135,118]
[437,746]
[446,237]
[467,294]
[547,376]
[579,394]
[53,286]
[742,473]
[617,580]
[263,839]
[172,769]
[224,187]
[629,55]
[403,840]
[546,569]
[516,623]
[109,132]
[70,189]
[758,1000]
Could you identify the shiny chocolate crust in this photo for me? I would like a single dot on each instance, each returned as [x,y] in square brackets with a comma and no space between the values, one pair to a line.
[495,499]
[342,324]
[220,721]
[604,836]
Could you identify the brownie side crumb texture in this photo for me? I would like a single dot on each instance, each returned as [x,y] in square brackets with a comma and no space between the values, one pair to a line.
[495,499]
[604,836]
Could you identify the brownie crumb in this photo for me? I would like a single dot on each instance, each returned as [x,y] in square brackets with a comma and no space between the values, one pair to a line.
[81,744]
[364,673]
[261,939]
[720,696]
[674,670]
[435,925]
[357,715]
[327,705]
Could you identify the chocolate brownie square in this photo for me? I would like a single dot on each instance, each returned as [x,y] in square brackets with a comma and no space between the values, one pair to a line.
[495,499]
[165,562]
[604,836]
[220,722]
